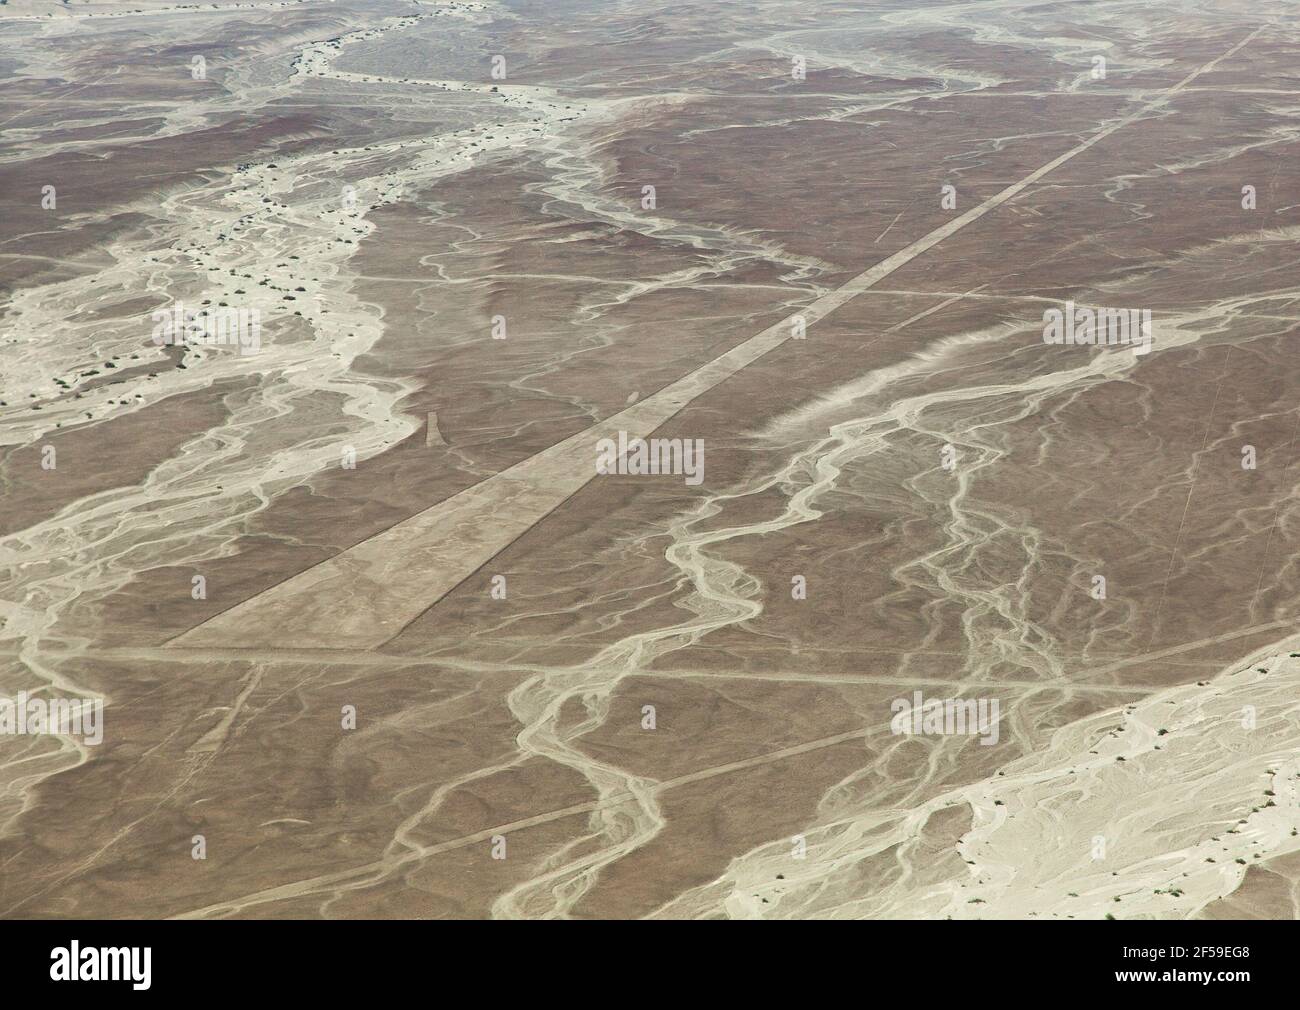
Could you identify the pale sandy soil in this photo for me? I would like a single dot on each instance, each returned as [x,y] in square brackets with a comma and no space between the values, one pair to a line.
[353,493]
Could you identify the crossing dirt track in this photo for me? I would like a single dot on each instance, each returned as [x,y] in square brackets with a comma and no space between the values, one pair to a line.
[375,636]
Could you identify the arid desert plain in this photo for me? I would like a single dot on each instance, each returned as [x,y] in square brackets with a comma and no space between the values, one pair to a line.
[613,459]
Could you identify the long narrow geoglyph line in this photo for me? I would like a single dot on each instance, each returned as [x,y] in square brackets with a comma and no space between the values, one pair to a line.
[365,595]
[626,814]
